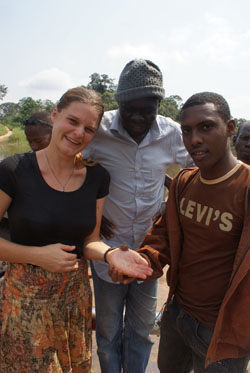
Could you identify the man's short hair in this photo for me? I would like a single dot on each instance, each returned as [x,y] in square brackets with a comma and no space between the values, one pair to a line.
[209,97]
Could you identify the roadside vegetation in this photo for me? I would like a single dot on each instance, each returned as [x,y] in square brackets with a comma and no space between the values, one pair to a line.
[3,130]
[15,143]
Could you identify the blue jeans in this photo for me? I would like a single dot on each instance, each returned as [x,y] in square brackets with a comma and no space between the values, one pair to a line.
[183,346]
[125,316]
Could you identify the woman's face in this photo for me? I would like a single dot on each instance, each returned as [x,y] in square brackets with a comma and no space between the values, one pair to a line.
[74,127]
[38,136]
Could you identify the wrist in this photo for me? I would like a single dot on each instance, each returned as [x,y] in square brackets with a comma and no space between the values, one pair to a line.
[146,258]
[30,255]
[107,252]
[34,255]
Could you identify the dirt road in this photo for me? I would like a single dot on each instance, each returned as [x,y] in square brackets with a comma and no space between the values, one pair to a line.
[9,133]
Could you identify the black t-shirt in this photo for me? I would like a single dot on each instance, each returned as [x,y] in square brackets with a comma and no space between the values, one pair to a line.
[40,215]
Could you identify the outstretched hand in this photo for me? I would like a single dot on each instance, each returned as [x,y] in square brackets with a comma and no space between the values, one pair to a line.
[129,262]
[118,276]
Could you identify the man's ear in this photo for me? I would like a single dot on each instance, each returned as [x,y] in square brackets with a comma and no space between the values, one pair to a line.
[231,125]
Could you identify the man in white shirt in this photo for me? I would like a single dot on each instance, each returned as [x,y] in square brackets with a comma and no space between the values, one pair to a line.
[136,146]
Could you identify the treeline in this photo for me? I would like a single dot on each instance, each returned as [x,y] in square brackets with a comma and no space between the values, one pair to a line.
[13,114]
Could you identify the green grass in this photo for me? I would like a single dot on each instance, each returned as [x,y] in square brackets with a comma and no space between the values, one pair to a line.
[18,136]
[16,143]
[3,130]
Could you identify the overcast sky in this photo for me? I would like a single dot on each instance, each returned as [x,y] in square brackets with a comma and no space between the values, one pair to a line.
[48,46]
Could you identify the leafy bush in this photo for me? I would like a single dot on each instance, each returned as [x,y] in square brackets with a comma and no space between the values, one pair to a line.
[14,124]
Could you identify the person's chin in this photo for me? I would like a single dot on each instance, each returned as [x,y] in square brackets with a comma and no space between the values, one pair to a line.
[139,130]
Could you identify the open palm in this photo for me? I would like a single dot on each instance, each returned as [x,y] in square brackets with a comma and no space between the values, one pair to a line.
[129,263]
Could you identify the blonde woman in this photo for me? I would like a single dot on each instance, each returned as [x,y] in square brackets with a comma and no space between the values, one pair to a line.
[54,202]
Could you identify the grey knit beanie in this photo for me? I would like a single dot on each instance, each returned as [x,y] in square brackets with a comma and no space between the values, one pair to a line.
[138,79]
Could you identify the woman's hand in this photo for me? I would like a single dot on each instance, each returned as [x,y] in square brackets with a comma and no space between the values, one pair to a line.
[129,262]
[56,258]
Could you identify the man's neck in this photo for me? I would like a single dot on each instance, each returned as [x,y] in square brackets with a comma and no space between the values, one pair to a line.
[221,169]
[138,139]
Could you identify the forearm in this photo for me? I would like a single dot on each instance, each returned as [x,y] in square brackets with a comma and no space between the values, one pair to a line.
[155,247]
[15,253]
[54,257]
[95,250]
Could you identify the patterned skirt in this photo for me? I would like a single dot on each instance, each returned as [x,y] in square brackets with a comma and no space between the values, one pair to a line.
[45,320]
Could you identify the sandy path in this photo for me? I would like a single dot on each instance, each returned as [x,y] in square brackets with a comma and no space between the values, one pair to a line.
[7,134]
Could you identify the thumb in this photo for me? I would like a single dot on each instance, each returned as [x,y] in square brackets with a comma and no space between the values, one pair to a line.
[68,248]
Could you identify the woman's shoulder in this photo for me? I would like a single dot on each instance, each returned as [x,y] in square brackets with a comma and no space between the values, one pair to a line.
[99,171]
[14,161]
[17,165]
[97,168]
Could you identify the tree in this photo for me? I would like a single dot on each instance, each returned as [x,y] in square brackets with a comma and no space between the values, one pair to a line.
[27,107]
[8,110]
[13,114]
[101,83]
[170,107]
[105,86]
[3,91]
[109,101]
[48,105]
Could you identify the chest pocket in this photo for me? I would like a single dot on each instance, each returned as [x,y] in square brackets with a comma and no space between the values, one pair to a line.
[152,180]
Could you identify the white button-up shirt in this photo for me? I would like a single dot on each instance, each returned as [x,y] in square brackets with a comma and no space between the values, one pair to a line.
[137,176]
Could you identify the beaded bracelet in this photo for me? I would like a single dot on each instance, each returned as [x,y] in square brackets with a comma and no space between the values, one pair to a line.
[106,252]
